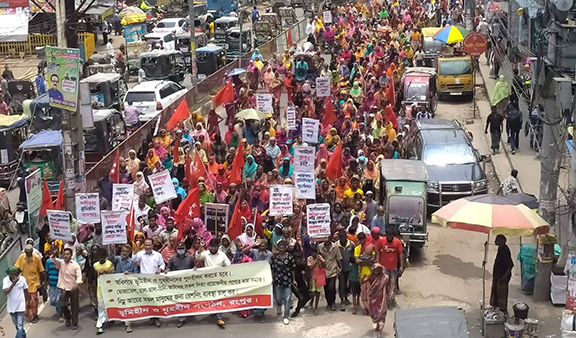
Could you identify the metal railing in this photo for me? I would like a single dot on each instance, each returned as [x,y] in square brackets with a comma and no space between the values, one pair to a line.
[209,86]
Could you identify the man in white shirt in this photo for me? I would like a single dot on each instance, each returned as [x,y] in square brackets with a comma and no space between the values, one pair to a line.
[150,262]
[310,27]
[110,48]
[213,257]
[16,290]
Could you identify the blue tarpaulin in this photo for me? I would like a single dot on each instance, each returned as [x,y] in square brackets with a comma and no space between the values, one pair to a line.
[44,139]
[16,124]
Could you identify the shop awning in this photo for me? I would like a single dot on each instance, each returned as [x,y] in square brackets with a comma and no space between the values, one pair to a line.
[14,25]
[101,11]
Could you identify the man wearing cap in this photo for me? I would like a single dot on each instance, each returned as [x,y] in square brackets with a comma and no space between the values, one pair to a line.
[16,290]
[180,261]
[69,279]
[33,271]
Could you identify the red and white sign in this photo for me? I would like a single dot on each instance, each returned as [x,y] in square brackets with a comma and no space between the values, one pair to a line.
[162,187]
[475,44]
[59,222]
[281,200]
[318,220]
[88,208]
[122,196]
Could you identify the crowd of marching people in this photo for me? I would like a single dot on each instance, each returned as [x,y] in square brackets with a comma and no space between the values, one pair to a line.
[356,268]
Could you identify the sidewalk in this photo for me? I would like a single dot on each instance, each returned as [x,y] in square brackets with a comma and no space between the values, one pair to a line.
[525,160]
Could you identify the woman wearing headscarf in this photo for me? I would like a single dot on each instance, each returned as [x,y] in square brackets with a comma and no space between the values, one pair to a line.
[164,138]
[159,150]
[169,249]
[371,173]
[219,193]
[500,94]
[140,185]
[267,78]
[132,162]
[205,196]
[380,292]
[357,93]
[284,153]
[257,54]
[248,237]
[276,86]
[332,139]
[179,190]
[253,75]
[250,167]
[341,187]
[390,132]
[322,153]
[200,230]
[200,131]
[152,159]
[286,168]
[227,246]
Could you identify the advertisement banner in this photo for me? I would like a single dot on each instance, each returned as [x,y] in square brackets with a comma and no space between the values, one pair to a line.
[291,117]
[162,186]
[122,196]
[59,222]
[310,130]
[216,217]
[305,185]
[63,73]
[281,200]
[322,86]
[187,292]
[113,227]
[318,217]
[88,208]
[264,103]
[304,158]
[134,33]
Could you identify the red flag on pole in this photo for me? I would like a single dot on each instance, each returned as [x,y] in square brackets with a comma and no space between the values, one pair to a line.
[188,169]
[60,197]
[199,170]
[235,226]
[180,114]
[115,170]
[225,95]
[46,200]
[176,152]
[335,167]
[189,208]
[237,166]
[130,223]
[289,38]
[330,116]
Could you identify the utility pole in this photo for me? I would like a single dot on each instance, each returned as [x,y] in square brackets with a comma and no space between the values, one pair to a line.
[240,19]
[194,70]
[60,23]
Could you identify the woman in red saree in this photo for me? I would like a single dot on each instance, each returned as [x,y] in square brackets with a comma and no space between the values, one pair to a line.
[379,292]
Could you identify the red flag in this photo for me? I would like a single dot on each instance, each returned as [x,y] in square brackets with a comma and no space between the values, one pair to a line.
[60,197]
[46,200]
[335,167]
[189,208]
[390,93]
[130,224]
[199,170]
[235,226]
[180,114]
[115,170]
[225,95]
[188,169]
[289,38]
[176,152]
[237,166]
[329,116]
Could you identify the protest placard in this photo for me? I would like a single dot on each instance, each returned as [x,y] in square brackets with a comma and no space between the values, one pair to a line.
[87,208]
[33,186]
[322,86]
[310,130]
[281,200]
[122,196]
[162,186]
[264,103]
[304,157]
[216,217]
[327,16]
[291,117]
[113,227]
[305,185]
[59,222]
[187,292]
[318,220]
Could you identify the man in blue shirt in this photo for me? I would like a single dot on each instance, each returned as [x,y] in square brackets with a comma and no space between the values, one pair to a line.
[126,265]
[54,93]
[40,85]
[255,15]
[378,220]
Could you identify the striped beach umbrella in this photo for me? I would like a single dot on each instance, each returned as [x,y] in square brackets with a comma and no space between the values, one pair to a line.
[451,34]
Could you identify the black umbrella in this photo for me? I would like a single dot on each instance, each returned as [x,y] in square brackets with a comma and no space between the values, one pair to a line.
[528,200]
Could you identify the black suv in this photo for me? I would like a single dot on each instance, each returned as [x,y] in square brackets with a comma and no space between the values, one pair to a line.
[453,165]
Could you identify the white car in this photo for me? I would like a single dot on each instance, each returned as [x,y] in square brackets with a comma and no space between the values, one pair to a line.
[167,40]
[150,97]
[172,25]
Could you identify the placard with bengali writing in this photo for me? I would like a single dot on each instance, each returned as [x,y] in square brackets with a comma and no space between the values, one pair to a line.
[88,208]
[281,200]
[318,220]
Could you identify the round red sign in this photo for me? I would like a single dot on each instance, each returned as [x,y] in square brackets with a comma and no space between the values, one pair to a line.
[475,44]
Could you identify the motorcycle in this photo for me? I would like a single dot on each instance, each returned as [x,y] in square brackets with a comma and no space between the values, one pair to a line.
[405,231]
[21,217]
